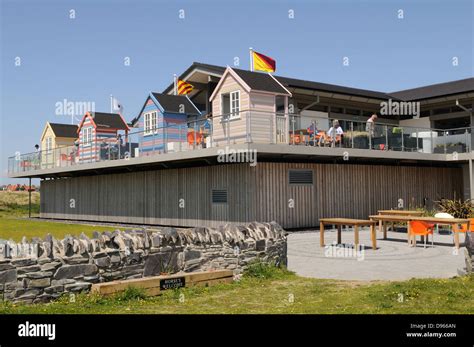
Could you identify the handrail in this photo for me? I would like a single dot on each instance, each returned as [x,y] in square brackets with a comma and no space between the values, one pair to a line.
[224,133]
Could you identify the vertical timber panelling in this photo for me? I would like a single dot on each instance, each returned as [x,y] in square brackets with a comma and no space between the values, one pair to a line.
[254,193]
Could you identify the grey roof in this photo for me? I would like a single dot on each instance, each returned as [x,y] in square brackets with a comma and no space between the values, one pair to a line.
[172,103]
[289,82]
[64,130]
[325,87]
[109,120]
[436,90]
[260,81]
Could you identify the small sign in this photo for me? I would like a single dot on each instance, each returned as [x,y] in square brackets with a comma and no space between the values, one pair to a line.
[172,283]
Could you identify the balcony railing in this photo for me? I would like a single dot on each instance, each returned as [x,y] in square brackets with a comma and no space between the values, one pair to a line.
[249,127]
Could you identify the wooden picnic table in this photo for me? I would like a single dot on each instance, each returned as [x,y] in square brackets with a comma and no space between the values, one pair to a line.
[397,213]
[356,223]
[400,212]
[381,219]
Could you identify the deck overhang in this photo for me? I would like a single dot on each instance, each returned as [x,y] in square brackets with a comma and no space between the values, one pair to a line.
[264,152]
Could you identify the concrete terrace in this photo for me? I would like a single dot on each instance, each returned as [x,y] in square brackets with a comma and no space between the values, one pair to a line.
[393,260]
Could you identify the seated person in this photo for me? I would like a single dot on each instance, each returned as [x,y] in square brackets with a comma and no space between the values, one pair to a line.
[334,134]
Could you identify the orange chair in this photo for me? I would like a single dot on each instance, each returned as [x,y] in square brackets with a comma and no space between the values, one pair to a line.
[190,137]
[419,228]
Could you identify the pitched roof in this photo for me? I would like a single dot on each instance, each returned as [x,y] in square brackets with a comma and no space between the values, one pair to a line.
[288,82]
[173,104]
[436,90]
[64,130]
[260,81]
[325,87]
[109,120]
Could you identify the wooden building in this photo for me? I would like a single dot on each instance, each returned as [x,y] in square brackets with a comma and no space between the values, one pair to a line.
[98,132]
[406,160]
[55,141]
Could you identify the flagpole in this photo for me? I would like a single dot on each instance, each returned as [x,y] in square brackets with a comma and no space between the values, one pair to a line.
[175,81]
[251,58]
[111,103]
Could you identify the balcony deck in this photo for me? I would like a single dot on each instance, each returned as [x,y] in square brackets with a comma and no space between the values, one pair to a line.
[273,152]
[273,137]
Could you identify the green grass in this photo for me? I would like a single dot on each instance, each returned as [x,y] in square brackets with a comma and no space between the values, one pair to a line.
[282,292]
[263,288]
[14,223]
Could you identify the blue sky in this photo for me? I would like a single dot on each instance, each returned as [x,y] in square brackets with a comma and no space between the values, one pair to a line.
[82,59]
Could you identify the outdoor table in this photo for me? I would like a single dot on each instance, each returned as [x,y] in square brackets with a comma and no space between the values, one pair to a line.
[434,220]
[356,223]
[397,213]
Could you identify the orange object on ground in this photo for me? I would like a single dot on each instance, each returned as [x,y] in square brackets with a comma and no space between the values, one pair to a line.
[419,228]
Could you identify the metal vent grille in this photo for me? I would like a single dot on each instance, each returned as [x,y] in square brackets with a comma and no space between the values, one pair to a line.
[219,196]
[301,176]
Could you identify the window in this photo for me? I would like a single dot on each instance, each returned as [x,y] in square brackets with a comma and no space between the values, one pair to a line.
[49,144]
[300,176]
[87,136]
[219,196]
[150,120]
[231,104]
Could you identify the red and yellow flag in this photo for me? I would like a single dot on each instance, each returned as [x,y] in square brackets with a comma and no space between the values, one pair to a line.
[263,63]
[184,87]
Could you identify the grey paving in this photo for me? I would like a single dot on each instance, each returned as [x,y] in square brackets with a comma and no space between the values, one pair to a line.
[393,260]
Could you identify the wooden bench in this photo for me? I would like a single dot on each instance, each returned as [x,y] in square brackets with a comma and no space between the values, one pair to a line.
[156,284]
[356,223]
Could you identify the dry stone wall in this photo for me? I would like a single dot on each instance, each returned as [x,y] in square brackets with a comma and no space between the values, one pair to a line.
[41,270]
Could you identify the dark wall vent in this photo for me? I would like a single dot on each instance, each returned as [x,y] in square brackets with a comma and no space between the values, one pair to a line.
[300,176]
[219,196]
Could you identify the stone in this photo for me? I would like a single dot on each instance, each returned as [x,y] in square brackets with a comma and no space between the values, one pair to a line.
[161,262]
[38,283]
[6,266]
[71,271]
[8,276]
[38,274]
[23,262]
[190,255]
[77,287]
[76,260]
[260,245]
[102,261]
[52,266]
[27,269]
[62,282]
[54,289]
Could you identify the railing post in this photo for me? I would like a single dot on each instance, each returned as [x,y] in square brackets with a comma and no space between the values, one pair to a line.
[466,137]
[352,134]
[432,141]
[165,137]
[293,128]
[247,127]
[180,136]
[386,137]
[445,144]
[417,140]
[228,129]
[403,140]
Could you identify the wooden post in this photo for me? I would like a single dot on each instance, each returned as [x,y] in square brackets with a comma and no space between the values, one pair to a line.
[373,236]
[339,227]
[409,233]
[456,239]
[321,234]
[384,230]
[356,235]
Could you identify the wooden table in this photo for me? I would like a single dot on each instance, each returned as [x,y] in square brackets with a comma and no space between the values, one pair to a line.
[356,223]
[407,219]
[396,213]
[400,212]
